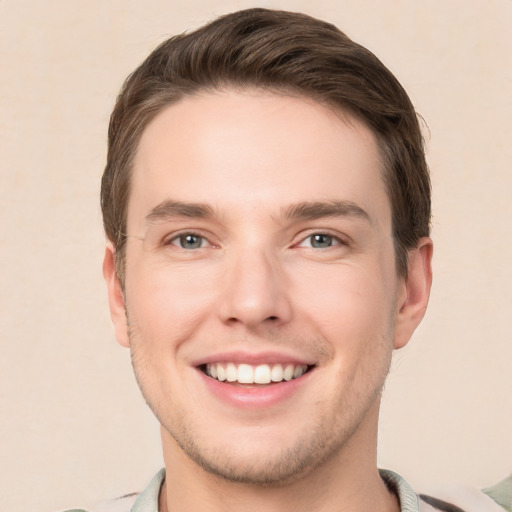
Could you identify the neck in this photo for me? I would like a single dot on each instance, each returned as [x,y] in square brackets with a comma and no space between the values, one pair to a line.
[347,481]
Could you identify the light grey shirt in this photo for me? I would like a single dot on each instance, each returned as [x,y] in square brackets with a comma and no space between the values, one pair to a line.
[496,499]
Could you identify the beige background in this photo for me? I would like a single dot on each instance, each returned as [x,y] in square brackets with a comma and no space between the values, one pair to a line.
[74,428]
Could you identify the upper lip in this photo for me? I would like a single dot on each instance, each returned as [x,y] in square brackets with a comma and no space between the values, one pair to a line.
[253,358]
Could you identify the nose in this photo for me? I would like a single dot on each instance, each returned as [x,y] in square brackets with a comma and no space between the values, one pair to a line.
[254,291]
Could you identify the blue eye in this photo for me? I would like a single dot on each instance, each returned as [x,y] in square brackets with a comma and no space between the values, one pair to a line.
[320,241]
[189,241]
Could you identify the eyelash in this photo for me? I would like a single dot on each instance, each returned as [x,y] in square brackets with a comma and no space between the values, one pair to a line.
[169,241]
[335,240]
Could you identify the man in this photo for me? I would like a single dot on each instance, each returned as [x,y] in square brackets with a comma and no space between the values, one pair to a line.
[267,205]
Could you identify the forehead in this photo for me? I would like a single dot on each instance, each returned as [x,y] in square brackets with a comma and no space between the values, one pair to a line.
[255,149]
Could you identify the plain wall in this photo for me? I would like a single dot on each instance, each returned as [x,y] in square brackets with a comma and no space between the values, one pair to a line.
[74,427]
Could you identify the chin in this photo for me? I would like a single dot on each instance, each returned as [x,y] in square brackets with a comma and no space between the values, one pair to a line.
[256,466]
[264,458]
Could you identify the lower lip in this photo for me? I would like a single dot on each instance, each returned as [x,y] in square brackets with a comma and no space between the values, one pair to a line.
[252,397]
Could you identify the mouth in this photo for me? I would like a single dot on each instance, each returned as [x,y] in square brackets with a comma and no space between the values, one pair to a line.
[247,374]
[255,381]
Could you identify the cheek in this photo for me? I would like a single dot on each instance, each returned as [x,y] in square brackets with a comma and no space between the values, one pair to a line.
[167,305]
[346,297]
[353,312]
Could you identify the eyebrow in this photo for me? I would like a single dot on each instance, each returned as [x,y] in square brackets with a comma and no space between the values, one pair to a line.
[319,209]
[307,210]
[170,209]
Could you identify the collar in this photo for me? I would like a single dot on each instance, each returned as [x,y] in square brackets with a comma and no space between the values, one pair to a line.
[147,501]
[406,496]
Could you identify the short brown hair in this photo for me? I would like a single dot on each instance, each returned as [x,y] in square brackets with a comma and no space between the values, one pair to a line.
[285,52]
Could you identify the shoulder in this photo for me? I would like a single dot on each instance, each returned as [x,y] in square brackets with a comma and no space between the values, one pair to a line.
[497,498]
[146,501]
[458,499]
[451,498]
[122,504]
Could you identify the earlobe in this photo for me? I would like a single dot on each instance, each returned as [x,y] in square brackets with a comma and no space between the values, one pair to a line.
[115,297]
[416,292]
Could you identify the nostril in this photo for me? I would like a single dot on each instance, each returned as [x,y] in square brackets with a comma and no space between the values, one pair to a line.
[272,318]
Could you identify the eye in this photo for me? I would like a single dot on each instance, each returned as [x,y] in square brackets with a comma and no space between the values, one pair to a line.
[320,241]
[189,241]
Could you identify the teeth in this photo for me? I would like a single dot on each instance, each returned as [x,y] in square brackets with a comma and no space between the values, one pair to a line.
[231,373]
[221,373]
[245,374]
[276,374]
[260,374]
[297,372]
[288,372]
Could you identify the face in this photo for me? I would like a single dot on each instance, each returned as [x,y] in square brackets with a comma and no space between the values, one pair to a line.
[261,294]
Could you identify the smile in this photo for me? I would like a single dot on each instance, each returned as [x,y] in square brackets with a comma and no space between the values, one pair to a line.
[254,374]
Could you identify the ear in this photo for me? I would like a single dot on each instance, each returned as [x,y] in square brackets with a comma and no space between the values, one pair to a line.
[115,297]
[413,299]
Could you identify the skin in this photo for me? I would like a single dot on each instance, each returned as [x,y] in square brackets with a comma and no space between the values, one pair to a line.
[259,283]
